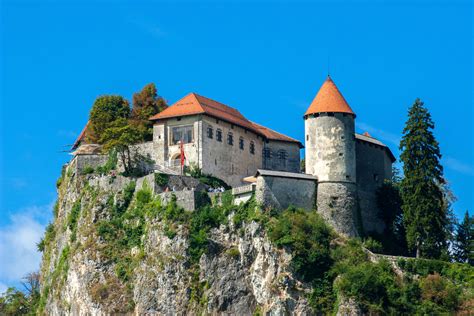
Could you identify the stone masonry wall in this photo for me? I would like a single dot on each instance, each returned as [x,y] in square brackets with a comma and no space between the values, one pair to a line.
[280,193]
[337,203]
[373,167]
[330,147]
[292,161]
[229,162]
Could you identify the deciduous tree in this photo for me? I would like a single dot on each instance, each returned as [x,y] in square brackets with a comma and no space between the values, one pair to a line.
[146,103]
[105,111]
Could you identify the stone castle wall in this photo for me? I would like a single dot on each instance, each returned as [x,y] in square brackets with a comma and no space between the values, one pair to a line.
[280,190]
[330,147]
[373,168]
[230,162]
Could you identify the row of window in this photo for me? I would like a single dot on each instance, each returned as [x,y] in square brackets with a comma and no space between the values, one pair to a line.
[230,139]
[281,154]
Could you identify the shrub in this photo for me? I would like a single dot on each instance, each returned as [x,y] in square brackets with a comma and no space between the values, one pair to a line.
[438,290]
[373,245]
[233,252]
[73,217]
[87,170]
[308,238]
[161,179]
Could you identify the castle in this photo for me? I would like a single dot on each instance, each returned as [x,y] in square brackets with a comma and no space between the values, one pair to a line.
[343,169]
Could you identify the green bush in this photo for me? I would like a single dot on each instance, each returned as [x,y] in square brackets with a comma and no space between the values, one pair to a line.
[110,164]
[87,170]
[308,238]
[72,219]
[438,290]
[373,245]
[161,179]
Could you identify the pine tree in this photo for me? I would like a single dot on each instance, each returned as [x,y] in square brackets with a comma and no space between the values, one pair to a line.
[423,202]
[146,103]
[464,240]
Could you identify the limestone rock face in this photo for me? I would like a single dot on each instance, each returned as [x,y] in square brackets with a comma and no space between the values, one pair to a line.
[241,272]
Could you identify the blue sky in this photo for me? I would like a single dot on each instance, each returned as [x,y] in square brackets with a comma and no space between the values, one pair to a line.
[268,59]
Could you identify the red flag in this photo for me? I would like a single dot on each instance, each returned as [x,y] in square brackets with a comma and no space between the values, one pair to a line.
[183,157]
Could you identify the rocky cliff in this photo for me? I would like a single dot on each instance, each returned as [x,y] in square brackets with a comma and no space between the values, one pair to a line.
[120,245]
[113,248]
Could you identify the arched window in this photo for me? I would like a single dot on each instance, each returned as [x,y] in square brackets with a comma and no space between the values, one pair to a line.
[252,147]
[241,143]
[210,131]
[230,139]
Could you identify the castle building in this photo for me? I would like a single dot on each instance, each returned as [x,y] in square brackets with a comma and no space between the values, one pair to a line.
[220,141]
[349,167]
[343,169]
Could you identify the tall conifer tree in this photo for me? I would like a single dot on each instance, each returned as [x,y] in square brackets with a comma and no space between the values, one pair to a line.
[424,212]
[464,240]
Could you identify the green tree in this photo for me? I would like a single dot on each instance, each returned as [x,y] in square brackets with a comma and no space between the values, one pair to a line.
[464,240]
[15,302]
[146,103]
[389,203]
[105,111]
[423,202]
[119,136]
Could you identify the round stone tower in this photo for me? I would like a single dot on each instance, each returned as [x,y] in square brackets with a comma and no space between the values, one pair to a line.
[330,156]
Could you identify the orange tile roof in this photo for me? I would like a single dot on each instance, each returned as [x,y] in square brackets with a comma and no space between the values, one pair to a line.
[329,99]
[193,104]
[273,135]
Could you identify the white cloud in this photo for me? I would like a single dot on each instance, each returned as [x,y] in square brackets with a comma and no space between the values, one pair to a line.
[456,165]
[18,239]
[389,137]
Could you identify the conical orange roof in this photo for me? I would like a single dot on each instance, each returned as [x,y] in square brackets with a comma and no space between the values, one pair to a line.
[329,99]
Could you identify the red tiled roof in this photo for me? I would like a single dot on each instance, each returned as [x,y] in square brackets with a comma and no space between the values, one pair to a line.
[272,135]
[80,137]
[193,104]
[329,99]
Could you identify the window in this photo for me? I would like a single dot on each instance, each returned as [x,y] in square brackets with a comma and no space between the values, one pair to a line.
[230,139]
[376,177]
[219,135]
[266,153]
[252,148]
[282,154]
[241,143]
[307,137]
[182,133]
[210,132]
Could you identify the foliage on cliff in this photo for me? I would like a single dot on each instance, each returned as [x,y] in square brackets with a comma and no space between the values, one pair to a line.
[331,267]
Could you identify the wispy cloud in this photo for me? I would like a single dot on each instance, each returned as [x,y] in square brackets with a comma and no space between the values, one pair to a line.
[148,27]
[389,137]
[18,239]
[459,166]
